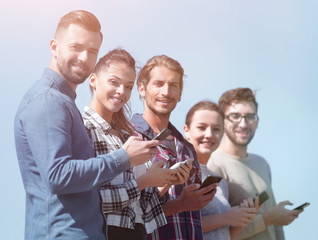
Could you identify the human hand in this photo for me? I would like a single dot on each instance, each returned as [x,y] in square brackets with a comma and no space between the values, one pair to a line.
[251,203]
[140,151]
[240,217]
[157,176]
[279,215]
[192,198]
[183,172]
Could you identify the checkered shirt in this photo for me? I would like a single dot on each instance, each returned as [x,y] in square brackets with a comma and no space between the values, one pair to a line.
[184,225]
[120,195]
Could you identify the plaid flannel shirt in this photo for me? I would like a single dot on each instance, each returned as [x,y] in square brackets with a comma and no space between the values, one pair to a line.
[120,195]
[184,225]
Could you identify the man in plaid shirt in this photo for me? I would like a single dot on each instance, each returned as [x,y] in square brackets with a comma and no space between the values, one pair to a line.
[160,84]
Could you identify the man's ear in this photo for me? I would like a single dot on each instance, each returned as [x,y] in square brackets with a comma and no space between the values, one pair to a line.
[92,81]
[53,47]
[141,90]
[257,122]
[186,132]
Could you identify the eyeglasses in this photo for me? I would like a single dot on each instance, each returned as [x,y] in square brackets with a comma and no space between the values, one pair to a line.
[237,118]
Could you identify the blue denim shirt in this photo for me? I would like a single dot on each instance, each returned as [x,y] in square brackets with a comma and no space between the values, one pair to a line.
[60,176]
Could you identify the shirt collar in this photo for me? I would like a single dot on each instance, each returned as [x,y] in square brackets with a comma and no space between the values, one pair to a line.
[143,127]
[96,119]
[60,82]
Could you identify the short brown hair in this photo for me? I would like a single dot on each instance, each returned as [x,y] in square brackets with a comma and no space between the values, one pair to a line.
[160,60]
[82,18]
[202,105]
[236,95]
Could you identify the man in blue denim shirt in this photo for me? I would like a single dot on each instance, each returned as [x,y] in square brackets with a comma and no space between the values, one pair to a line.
[60,175]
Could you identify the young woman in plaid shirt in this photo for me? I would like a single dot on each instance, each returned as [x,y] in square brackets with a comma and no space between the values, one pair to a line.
[131,206]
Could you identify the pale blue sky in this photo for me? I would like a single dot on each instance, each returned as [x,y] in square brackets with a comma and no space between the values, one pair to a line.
[269,46]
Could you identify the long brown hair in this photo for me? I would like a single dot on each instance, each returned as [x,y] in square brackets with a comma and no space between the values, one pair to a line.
[118,55]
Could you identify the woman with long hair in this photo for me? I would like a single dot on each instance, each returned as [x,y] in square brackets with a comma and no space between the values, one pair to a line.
[130,205]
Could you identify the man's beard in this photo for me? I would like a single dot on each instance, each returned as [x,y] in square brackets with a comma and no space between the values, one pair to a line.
[73,77]
[233,139]
[165,114]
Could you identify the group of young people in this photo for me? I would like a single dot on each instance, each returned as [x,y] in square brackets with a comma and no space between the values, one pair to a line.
[102,175]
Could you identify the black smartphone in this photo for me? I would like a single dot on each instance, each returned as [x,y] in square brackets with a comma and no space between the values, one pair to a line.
[302,206]
[263,196]
[163,134]
[210,180]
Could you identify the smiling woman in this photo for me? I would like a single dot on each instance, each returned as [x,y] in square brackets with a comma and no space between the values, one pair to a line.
[270,46]
[112,89]
[111,82]
[125,199]
[204,129]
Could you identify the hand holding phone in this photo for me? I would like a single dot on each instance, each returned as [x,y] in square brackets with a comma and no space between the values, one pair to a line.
[210,180]
[187,161]
[263,196]
[184,169]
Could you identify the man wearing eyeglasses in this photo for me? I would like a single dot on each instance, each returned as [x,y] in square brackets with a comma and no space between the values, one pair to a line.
[247,174]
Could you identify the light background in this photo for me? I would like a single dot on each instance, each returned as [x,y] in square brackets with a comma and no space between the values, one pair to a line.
[269,46]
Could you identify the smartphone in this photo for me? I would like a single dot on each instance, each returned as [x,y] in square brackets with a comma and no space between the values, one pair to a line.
[263,196]
[302,206]
[210,180]
[163,134]
[175,166]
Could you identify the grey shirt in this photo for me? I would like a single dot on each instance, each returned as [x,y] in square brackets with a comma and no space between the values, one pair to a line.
[219,204]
